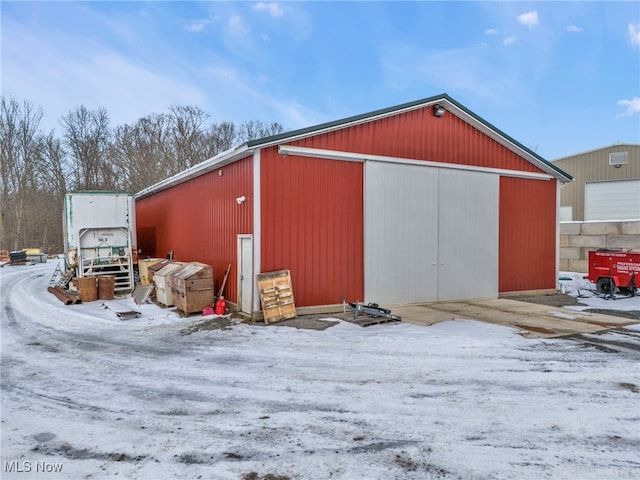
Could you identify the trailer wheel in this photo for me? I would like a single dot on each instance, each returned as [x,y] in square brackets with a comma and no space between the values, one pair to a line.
[605,285]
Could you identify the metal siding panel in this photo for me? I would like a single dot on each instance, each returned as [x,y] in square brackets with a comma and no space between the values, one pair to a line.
[400,233]
[612,200]
[594,167]
[199,220]
[527,234]
[312,214]
[430,234]
[418,134]
[468,232]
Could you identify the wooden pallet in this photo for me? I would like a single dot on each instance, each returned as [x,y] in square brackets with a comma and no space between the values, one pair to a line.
[365,320]
[276,296]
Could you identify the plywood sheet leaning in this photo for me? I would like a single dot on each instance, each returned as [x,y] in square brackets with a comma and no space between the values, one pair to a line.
[276,296]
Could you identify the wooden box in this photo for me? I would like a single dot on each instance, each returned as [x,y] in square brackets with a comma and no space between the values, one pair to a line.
[193,287]
[143,269]
[162,280]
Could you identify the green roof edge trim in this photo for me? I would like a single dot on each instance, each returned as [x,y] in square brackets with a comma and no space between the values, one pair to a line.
[347,120]
[509,138]
[403,106]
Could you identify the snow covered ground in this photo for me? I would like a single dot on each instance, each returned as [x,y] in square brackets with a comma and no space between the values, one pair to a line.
[86,395]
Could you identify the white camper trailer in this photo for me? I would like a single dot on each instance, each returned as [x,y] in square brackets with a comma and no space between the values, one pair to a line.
[100,235]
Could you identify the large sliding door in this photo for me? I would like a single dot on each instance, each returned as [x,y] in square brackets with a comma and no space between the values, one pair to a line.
[401,234]
[467,235]
[431,234]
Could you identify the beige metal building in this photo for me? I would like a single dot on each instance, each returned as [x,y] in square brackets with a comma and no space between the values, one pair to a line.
[606,184]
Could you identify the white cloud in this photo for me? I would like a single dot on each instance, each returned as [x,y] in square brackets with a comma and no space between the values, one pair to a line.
[573,28]
[197,25]
[633,107]
[456,70]
[273,8]
[82,72]
[236,25]
[530,19]
[491,31]
[511,39]
[634,34]
[244,101]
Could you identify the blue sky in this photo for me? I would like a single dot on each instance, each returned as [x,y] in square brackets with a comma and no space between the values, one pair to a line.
[559,77]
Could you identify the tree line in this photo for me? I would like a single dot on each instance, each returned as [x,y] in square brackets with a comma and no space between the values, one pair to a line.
[38,168]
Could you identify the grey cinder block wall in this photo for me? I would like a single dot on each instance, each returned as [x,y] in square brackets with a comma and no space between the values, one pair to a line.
[577,238]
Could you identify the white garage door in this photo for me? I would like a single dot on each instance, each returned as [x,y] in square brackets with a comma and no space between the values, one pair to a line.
[613,200]
[431,234]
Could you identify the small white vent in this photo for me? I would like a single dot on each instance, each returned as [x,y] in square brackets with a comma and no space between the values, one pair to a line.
[618,158]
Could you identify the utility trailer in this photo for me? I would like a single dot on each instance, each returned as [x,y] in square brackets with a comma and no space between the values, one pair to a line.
[614,270]
[100,236]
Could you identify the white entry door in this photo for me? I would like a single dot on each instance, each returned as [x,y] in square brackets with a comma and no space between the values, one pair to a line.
[245,271]
[431,234]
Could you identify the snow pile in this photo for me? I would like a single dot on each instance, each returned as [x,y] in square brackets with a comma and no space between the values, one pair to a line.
[585,291]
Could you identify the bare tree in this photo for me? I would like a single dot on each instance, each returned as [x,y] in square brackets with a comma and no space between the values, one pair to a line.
[255,129]
[19,152]
[188,141]
[36,169]
[53,177]
[161,145]
[87,135]
[140,153]
[53,165]
[222,136]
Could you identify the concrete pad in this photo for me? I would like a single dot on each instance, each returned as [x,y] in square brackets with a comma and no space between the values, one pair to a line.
[421,314]
[530,319]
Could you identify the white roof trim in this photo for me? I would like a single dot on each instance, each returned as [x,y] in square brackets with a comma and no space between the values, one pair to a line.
[344,125]
[238,152]
[493,134]
[363,157]
[451,108]
[220,160]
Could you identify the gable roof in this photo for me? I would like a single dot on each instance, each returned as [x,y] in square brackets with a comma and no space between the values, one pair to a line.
[451,105]
[617,145]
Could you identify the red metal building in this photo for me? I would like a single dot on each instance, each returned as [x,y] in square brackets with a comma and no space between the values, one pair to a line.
[420,202]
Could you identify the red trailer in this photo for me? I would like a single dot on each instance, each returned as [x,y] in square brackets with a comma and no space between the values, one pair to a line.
[614,270]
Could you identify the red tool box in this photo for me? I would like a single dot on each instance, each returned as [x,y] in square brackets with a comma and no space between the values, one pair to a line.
[614,270]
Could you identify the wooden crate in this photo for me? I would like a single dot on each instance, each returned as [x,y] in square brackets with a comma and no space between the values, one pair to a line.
[193,287]
[162,281]
[276,296]
[152,270]
[143,269]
